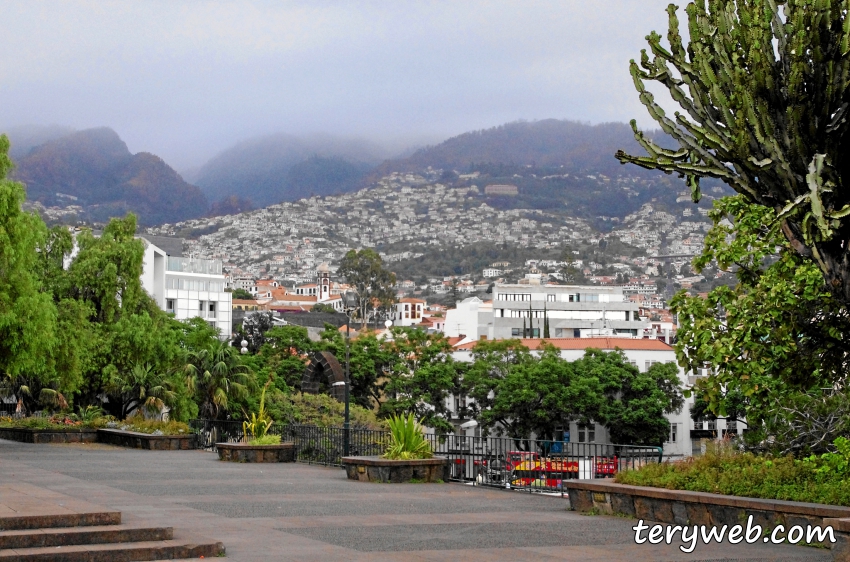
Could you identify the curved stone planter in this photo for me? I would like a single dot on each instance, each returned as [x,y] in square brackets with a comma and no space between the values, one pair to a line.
[70,435]
[377,469]
[134,440]
[245,452]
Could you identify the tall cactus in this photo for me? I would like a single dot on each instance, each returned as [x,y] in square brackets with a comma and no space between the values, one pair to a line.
[764,89]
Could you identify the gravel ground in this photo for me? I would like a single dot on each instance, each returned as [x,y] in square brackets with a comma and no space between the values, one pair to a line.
[302,512]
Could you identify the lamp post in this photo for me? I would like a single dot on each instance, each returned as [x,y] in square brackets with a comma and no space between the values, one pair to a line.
[350,303]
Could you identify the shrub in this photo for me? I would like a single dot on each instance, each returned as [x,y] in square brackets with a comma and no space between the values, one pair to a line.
[140,425]
[321,410]
[265,440]
[407,441]
[722,470]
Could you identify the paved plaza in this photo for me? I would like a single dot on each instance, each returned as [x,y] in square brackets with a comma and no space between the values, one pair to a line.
[270,512]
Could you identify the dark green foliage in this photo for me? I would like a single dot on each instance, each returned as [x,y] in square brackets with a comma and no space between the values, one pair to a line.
[777,333]
[763,88]
[525,395]
[242,294]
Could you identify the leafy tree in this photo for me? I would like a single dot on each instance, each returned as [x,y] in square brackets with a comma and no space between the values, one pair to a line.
[254,329]
[778,332]
[420,374]
[242,294]
[28,316]
[364,270]
[522,395]
[322,307]
[764,96]
[285,354]
[369,362]
[637,402]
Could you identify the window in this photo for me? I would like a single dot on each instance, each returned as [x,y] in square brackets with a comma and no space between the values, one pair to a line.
[674,433]
[202,308]
[535,332]
[587,433]
[627,316]
[651,363]
[576,333]
[575,298]
[169,305]
[550,298]
[515,332]
[211,310]
[732,426]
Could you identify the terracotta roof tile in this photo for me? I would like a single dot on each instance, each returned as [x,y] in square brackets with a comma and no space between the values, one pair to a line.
[584,343]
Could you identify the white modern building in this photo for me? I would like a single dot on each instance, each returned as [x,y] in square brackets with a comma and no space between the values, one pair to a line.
[572,311]
[187,287]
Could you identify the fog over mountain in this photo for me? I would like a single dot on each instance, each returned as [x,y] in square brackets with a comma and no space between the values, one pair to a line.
[95,170]
[285,167]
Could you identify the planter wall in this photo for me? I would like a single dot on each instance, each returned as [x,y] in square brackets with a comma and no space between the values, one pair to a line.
[680,507]
[377,469]
[244,452]
[135,440]
[70,435]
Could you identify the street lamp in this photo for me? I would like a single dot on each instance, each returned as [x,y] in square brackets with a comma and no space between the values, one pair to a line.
[244,349]
[350,303]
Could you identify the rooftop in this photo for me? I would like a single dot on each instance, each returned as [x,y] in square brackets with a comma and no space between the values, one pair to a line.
[626,344]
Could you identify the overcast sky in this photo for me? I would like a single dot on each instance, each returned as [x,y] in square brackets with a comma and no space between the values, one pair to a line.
[186,79]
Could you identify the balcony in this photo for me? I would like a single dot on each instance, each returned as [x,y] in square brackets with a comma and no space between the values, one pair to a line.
[193,265]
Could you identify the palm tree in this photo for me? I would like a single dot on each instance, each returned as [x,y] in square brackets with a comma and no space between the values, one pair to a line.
[217,375]
[143,387]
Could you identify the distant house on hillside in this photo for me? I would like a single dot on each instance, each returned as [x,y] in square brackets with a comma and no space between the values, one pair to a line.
[501,189]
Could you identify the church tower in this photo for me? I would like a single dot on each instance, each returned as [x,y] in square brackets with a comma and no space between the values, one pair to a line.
[324,282]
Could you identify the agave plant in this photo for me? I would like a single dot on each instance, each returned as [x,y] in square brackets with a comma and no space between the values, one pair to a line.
[260,421]
[407,440]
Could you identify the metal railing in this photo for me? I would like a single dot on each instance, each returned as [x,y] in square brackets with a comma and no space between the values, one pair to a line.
[504,462]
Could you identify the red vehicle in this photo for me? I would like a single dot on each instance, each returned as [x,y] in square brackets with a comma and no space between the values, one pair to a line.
[551,472]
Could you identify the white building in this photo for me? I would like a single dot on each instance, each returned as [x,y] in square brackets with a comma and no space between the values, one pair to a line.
[471,318]
[408,312]
[572,311]
[184,286]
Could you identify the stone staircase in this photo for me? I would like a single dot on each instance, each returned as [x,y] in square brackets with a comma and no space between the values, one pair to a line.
[58,528]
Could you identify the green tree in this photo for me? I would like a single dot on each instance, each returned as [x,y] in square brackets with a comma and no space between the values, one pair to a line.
[776,333]
[364,270]
[763,92]
[420,375]
[285,354]
[143,388]
[369,361]
[242,294]
[28,316]
[634,412]
[322,307]
[218,378]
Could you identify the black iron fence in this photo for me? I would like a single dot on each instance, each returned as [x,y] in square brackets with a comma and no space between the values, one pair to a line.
[534,465]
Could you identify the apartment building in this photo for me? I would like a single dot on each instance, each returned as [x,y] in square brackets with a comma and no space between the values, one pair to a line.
[572,311]
[186,287]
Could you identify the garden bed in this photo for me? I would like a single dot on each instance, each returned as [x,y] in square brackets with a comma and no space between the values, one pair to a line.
[51,435]
[245,452]
[378,469]
[136,440]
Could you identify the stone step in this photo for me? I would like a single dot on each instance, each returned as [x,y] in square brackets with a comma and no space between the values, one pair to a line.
[36,538]
[18,521]
[173,549]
